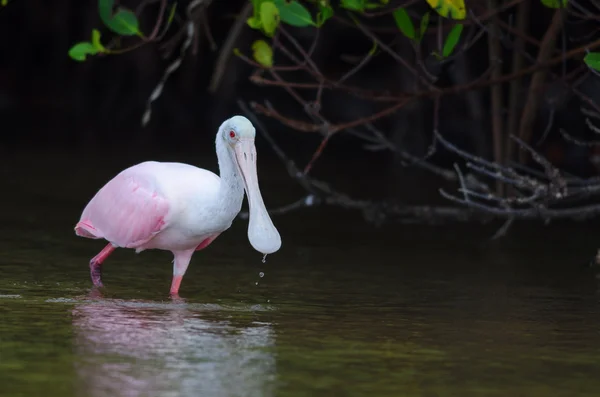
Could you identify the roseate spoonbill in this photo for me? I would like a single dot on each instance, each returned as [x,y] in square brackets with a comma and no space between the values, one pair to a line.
[181,208]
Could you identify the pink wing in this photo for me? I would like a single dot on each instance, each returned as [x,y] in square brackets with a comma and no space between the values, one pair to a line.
[128,211]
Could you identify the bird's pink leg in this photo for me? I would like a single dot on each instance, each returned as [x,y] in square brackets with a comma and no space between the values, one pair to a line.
[182,260]
[96,264]
[180,265]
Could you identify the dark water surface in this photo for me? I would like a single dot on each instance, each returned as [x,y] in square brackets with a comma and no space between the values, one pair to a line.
[397,311]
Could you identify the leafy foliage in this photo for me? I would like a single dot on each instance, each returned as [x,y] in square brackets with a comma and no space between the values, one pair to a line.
[269,13]
[592,59]
[404,23]
[452,40]
[361,5]
[81,50]
[555,3]
[269,17]
[325,12]
[294,13]
[96,41]
[263,53]
[453,9]
[123,22]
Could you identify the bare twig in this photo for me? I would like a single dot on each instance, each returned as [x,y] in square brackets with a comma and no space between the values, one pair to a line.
[227,48]
[320,192]
[534,95]
[497,97]
[190,31]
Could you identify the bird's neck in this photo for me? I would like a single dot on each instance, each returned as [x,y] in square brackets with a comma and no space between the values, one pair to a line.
[232,186]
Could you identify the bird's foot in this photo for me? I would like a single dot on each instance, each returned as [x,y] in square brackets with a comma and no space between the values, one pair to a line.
[175,298]
[95,293]
[96,264]
[96,273]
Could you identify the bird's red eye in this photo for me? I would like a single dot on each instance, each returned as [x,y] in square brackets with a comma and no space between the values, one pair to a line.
[232,134]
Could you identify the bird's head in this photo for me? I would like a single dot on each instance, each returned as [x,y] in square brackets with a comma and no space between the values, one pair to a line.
[238,134]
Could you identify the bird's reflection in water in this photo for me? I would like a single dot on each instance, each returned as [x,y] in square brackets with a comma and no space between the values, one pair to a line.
[135,349]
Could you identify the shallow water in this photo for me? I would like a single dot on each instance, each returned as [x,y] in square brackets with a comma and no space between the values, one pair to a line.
[397,311]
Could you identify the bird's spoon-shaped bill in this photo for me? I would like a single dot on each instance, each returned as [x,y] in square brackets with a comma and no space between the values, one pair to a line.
[262,234]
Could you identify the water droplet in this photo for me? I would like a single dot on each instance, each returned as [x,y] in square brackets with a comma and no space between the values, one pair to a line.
[309,200]
[256,283]
[261,274]
[264,258]
[268,300]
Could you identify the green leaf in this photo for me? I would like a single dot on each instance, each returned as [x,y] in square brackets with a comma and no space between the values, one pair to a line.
[263,54]
[454,9]
[355,5]
[105,10]
[452,40]
[125,23]
[269,17]
[404,23]
[80,50]
[294,13]
[254,23]
[96,41]
[371,6]
[325,12]
[424,25]
[592,59]
[256,8]
[555,3]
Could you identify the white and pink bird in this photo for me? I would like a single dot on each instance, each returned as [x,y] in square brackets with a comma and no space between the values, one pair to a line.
[181,208]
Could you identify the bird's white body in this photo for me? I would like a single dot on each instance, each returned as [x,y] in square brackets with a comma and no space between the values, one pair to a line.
[179,207]
[200,205]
